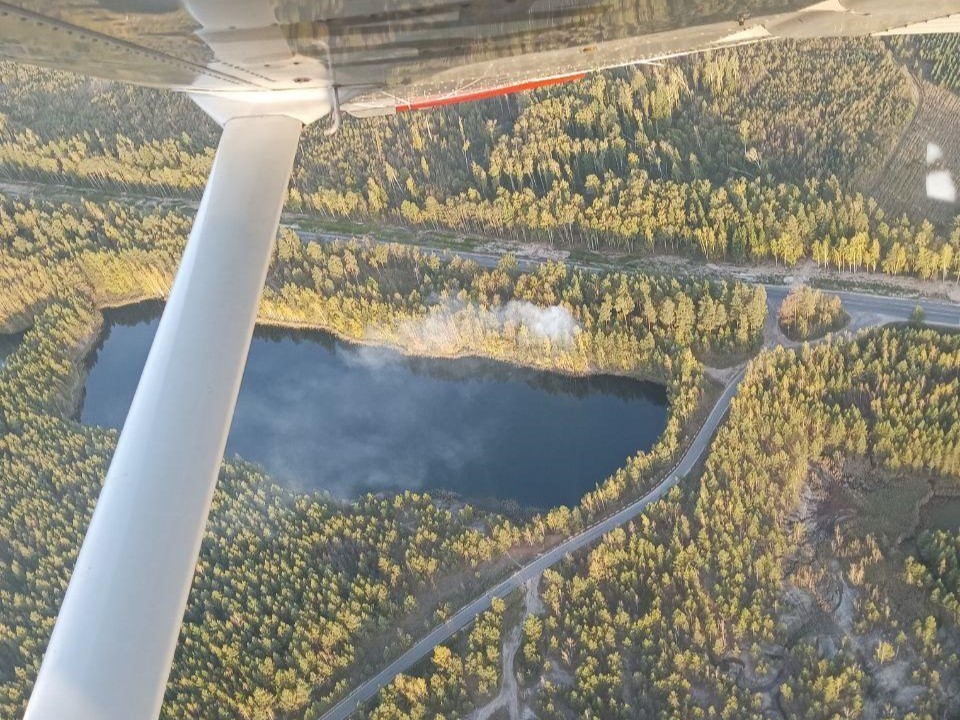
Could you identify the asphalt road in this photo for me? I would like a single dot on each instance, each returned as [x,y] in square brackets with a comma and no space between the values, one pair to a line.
[885,308]
[466,615]
[871,309]
[874,309]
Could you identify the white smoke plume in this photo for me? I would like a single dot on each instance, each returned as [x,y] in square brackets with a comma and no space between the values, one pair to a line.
[451,326]
[554,323]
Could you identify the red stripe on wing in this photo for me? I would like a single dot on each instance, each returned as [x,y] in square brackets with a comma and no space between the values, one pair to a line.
[489,93]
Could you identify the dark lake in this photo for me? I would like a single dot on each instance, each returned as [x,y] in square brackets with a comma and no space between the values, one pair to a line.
[321,414]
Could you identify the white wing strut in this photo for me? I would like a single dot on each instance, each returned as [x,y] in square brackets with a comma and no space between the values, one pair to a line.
[115,636]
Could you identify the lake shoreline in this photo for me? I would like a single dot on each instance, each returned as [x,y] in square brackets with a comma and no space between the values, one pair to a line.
[273,322]
[302,381]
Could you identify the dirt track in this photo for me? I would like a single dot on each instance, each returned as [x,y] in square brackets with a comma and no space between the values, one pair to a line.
[509,695]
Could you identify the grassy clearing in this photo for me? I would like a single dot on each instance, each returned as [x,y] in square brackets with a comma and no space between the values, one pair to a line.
[862,286]
[898,507]
[892,510]
[941,513]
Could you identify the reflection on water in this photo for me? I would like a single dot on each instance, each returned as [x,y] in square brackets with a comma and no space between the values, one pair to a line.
[321,414]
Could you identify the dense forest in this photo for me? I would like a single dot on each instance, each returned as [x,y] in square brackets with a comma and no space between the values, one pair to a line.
[726,155]
[934,56]
[256,639]
[756,586]
[937,569]
[755,592]
[458,673]
[723,601]
[298,595]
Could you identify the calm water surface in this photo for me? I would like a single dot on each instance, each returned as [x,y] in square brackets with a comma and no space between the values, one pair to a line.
[321,414]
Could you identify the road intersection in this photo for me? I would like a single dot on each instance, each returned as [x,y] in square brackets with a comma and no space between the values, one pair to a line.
[864,309]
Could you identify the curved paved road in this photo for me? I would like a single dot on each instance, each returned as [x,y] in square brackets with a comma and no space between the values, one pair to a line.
[889,308]
[463,617]
[878,308]
[873,309]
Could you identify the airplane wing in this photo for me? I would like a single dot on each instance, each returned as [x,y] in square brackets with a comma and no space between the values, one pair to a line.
[384,55]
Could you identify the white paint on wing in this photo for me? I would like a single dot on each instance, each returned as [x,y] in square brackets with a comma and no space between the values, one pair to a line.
[826,6]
